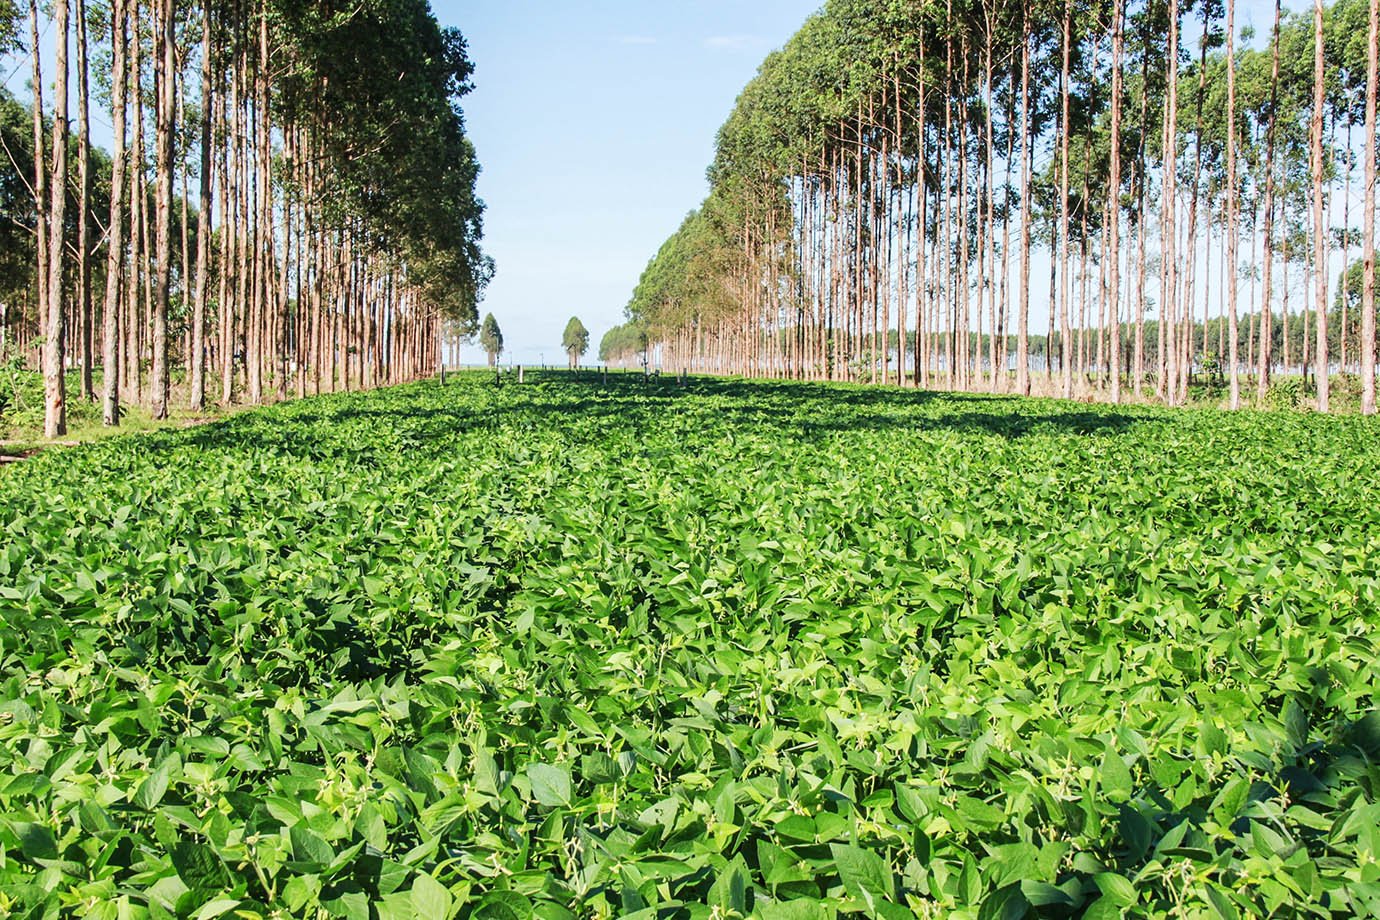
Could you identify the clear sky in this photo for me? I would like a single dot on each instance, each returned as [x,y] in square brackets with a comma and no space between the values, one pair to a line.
[594,124]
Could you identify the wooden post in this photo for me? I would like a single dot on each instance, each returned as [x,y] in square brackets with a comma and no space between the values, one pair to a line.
[519,373]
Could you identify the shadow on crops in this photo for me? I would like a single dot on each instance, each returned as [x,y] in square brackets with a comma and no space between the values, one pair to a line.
[806,410]
[587,407]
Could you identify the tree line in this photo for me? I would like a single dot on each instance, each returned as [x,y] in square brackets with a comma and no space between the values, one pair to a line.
[882,186]
[288,205]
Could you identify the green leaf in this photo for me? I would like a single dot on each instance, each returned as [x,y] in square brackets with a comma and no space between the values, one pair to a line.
[865,875]
[730,889]
[309,849]
[36,841]
[1116,887]
[1114,777]
[199,867]
[155,785]
[503,905]
[798,909]
[430,899]
[216,908]
[550,784]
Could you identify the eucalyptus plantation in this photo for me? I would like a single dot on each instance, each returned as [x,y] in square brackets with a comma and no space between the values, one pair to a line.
[264,217]
[855,223]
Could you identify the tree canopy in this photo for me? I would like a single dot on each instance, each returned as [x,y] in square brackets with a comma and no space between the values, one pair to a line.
[575,340]
[491,339]
[886,174]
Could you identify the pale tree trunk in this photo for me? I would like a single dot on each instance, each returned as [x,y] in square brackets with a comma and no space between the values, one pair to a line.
[1368,217]
[1229,270]
[164,71]
[922,361]
[1184,346]
[1023,333]
[1319,241]
[1138,359]
[110,317]
[1262,377]
[84,205]
[1065,330]
[1114,207]
[40,176]
[55,399]
[197,369]
[1169,282]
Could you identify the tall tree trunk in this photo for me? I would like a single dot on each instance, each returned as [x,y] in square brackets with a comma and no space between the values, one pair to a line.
[1166,363]
[1114,206]
[1229,271]
[84,205]
[1368,218]
[1319,240]
[1023,332]
[197,369]
[54,346]
[41,224]
[1065,331]
[114,261]
[1264,358]
[164,73]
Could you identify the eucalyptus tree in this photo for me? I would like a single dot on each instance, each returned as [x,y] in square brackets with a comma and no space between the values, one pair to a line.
[1319,178]
[1231,205]
[1368,215]
[114,273]
[575,341]
[55,332]
[491,339]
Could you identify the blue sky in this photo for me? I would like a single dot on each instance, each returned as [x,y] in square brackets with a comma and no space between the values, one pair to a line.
[594,124]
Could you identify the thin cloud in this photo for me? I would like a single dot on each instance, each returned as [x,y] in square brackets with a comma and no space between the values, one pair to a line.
[734,42]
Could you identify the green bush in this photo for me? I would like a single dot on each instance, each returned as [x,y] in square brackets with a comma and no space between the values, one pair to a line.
[1285,393]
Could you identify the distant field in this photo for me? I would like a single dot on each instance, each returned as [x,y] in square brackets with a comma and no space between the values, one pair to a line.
[583,649]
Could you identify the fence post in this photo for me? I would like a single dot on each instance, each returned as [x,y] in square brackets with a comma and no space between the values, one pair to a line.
[519,373]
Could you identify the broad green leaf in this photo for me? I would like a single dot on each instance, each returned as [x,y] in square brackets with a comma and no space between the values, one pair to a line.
[550,784]
[155,785]
[430,899]
[865,874]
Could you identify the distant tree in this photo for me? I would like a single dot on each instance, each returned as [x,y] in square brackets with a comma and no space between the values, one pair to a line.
[622,344]
[491,338]
[575,341]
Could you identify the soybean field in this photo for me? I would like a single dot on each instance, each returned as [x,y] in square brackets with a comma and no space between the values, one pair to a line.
[581,648]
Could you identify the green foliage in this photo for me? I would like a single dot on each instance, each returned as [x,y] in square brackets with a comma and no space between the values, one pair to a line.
[399,158]
[623,344]
[1286,393]
[796,650]
[491,338]
[9,26]
[21,398]
[575,340]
